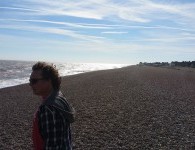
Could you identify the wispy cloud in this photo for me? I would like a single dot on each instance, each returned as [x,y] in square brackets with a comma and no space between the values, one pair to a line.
[125,26]
[130,10]
[75,25]
[57,31]
[152,36]
[100,26]
[19,8]
[143,11]
[114,32]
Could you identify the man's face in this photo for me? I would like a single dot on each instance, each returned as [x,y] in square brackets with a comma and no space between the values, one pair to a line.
[39,85]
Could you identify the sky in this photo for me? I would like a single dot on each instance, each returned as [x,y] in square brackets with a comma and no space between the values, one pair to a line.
[97,31]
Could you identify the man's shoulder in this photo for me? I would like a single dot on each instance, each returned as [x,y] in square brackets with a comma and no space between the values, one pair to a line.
[53,97]
[56,99]
[58,103]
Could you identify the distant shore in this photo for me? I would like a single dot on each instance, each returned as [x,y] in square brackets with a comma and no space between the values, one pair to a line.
[136,107]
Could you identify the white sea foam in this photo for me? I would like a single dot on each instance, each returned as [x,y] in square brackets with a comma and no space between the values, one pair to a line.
[17,72]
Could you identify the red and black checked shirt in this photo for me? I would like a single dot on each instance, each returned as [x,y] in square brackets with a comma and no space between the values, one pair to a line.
[54,128]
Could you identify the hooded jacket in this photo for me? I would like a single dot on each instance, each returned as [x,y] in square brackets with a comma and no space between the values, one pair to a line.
[57,100]
[51,125]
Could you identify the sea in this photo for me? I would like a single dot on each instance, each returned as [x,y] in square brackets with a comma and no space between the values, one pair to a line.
[14,72]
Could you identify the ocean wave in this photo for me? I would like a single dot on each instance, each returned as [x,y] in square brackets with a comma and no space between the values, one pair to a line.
[17,72]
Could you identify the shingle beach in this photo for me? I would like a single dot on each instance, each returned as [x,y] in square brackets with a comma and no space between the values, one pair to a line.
[135,107]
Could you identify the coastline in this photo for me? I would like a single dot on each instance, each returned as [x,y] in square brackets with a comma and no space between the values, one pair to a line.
[15,73]
[128,108]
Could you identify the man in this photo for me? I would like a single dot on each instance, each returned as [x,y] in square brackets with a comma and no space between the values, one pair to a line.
[51,124]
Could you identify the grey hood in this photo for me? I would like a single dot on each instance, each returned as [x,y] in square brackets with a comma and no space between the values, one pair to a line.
[58,101]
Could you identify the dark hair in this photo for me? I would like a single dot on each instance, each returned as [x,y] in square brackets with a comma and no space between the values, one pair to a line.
[49,71]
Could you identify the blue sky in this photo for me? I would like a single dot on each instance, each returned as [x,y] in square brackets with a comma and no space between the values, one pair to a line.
[98,31]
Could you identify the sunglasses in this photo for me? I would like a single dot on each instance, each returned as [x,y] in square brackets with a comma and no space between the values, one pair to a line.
[34,81]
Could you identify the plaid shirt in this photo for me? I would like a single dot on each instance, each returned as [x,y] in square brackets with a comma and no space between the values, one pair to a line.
[54,128]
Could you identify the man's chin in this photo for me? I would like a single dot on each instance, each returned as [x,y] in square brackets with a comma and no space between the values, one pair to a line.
[36,92]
